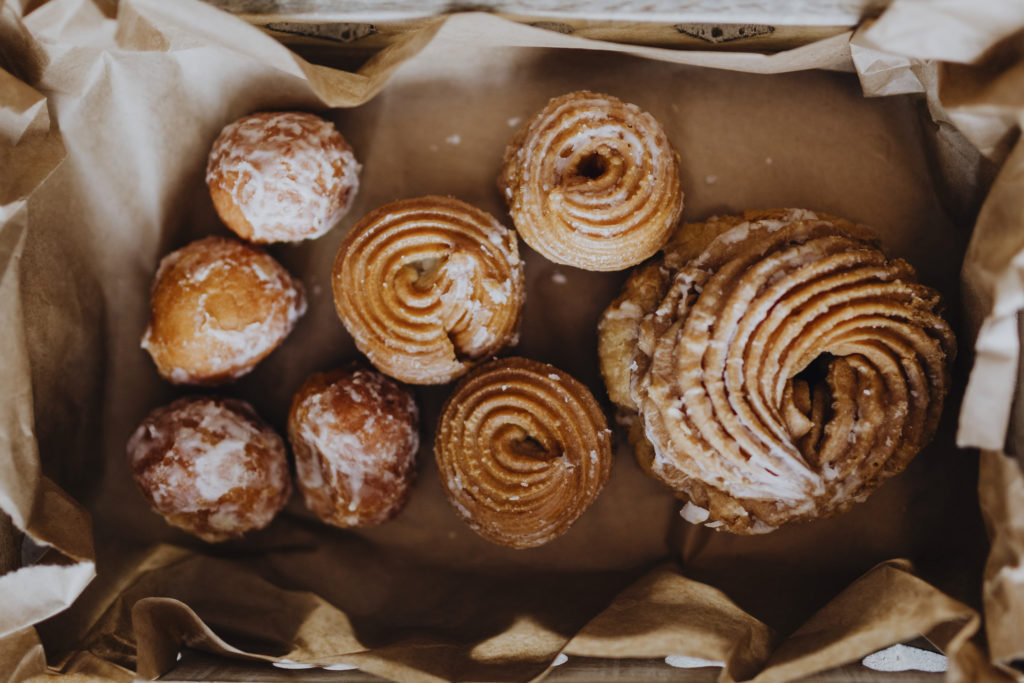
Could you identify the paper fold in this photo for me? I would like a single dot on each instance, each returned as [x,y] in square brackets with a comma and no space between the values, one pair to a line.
[1003,504]
[981,98]
[644,621]
[30,150]
[887,605]
[994,282]
[945,30]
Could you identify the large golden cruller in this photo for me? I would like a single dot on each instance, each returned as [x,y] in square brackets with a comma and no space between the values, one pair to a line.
[781,367]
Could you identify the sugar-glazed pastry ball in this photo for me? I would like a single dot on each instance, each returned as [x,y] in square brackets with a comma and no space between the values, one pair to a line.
[354,433]
[218,307]
[210,466]
[281,176]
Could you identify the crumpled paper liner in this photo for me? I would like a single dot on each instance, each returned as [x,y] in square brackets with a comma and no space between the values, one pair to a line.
[422,598]
[886,605]
[470,627]
[944,30]
[643,621]
[1002,483]
[978,90]
[983,100]
[30,148]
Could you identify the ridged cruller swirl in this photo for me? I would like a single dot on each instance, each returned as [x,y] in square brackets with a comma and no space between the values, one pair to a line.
[522,451]
[783,372]
[592,182]
[427,287]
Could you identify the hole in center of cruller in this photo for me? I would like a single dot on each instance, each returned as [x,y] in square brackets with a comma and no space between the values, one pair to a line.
[529,447]
[592,167]
[426,270]
[816,372]
[809,400]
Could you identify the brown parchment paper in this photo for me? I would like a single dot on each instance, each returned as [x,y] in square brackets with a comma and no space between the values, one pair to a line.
[30,148]
[139,97]
[979,89]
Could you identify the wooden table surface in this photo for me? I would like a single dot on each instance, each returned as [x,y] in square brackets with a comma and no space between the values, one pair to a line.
[200,666]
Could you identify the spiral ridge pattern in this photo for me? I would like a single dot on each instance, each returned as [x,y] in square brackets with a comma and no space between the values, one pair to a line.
[522,450]
[787,370]
[592,182]
[429,286]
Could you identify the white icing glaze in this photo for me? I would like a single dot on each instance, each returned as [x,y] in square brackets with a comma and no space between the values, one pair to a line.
[694,514]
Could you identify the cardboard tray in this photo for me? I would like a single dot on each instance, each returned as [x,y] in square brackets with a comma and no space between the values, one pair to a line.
[150,602]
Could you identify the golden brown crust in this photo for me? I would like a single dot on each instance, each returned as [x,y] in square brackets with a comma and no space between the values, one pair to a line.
[355,434]
[281,176]
[619,326]
[739,415]
[230,213]
[522,450]
[592,182]
[428,287]
[210,466]
[218,306]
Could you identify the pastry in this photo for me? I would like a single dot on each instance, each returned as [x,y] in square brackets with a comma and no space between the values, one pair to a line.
[210,466]
[782,367]
[355,434]
[522,450]
[592,182]
[429,286]
[218,306]
[281,176]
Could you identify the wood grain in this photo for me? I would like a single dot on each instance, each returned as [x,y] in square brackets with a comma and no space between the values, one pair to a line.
[200,666]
